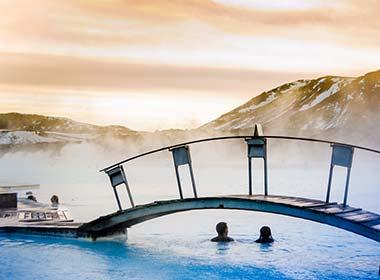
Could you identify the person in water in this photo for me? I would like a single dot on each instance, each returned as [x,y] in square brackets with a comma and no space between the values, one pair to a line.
[30,196]
[54,201]
[265,235]
[222,230]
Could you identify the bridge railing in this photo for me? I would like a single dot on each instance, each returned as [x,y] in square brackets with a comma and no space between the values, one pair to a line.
[341,155]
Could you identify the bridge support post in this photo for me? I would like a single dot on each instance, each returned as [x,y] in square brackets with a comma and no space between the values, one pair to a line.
[346,187]
[329,183]
[117,198]
[181,156]
[193,180]
[250,175]
[257,148]
[178,181]
[342,156]
[128,191]
[265,172]
[117,177]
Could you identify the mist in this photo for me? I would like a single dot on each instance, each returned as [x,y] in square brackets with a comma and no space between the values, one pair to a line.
[72,172]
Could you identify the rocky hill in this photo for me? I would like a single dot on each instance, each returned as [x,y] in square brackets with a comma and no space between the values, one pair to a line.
[331,106]
[16,128]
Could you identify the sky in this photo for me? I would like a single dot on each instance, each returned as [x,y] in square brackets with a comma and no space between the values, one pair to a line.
[173,64]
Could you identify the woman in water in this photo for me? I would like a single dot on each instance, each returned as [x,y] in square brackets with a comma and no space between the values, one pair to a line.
[265,235]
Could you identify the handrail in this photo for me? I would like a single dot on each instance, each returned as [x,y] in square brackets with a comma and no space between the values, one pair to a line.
[239,137]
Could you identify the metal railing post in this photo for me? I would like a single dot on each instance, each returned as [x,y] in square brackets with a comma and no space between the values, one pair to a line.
[329,183]
[250,175]
[346,188]
[257,148]
[178,181]
[117,177]
[265,172]
[128,190]
[193,180]
[181,156]
[117,198]
[341,155]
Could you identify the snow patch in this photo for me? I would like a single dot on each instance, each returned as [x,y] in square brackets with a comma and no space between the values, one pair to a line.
[338,119]
[327,93]
[319,82]
[23,137]
[295,85]
[29,137]
[273,96]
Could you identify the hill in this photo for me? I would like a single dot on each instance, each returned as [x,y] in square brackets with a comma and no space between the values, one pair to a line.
[329,106]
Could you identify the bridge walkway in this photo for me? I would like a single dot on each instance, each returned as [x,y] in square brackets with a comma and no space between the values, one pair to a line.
[356,220]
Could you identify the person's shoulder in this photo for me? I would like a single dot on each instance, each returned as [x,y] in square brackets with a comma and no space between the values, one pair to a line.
[222,239]
[264,241]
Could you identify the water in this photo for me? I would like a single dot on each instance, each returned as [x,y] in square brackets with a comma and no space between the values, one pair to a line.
[177,246]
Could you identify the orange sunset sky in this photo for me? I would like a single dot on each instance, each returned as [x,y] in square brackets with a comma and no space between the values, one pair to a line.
[160,64]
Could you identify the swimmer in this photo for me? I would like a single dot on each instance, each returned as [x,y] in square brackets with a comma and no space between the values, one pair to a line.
[222,230]
[54,201]
[265,235]
[30,196]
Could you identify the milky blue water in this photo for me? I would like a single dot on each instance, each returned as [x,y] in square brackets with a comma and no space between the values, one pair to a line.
[177,246]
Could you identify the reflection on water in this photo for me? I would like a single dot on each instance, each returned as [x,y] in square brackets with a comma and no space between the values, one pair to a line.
[177,246]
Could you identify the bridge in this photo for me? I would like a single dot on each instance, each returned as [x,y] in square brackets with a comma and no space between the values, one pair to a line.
[337,214]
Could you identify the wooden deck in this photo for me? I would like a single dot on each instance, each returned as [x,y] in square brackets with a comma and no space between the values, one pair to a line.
[352,219]
[35,217]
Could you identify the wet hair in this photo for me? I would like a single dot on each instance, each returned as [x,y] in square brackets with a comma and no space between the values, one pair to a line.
[32,197]
[221,228]
[265,232]
[54,199]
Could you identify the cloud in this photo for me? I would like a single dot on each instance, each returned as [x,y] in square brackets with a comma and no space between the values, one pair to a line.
[189,48]
[118,22]
[322,22]
[65,72]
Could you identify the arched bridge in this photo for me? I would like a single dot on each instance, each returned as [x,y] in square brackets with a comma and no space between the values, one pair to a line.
[336,214]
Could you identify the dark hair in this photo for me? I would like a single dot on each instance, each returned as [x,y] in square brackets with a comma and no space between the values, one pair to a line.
[265,232]
[221,228]
[54,199]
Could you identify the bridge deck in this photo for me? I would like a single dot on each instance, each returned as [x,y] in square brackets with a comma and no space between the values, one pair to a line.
[356,220]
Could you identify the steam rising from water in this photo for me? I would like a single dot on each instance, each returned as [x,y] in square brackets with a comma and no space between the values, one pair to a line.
[220,167]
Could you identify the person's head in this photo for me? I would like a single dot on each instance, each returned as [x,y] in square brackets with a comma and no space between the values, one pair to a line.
[30,196]
[222,229]
[54,199]
[265,232]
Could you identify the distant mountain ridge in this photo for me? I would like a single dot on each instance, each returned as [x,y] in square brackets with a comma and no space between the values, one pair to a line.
[40,123]
[328,105]
[340,108]
[16,128]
